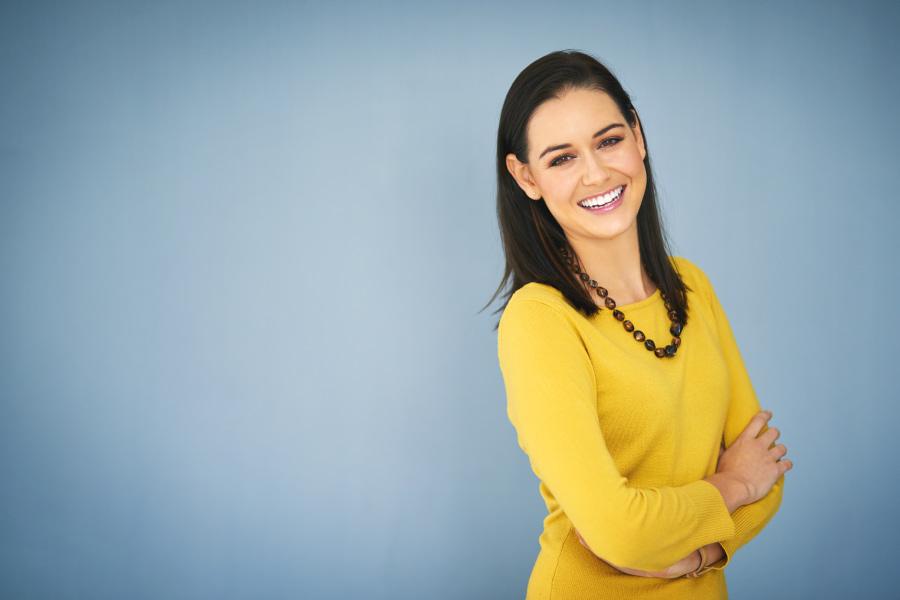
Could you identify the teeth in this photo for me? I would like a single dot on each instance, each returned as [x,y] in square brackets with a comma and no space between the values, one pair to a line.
[603,200]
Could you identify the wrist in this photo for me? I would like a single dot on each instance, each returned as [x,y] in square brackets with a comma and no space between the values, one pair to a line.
[735,493]
[714,552]
[701,567]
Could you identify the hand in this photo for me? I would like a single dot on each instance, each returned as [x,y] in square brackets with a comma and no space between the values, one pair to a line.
[686,565]
[750,463]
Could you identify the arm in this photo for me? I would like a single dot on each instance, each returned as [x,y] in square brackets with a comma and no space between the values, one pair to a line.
[745,474]
[740,476]
[691,563]
[749,519]
[552,402]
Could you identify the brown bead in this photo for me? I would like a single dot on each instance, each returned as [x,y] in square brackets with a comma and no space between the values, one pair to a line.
[675,328]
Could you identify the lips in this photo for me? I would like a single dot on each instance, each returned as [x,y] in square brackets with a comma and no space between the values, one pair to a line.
[601,200]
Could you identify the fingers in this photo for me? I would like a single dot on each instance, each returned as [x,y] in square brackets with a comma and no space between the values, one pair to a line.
[756,424]
[785,465]
[769,436]
[778,451]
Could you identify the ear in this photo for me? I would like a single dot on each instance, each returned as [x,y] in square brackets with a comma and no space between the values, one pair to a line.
[638,136]
[522,174]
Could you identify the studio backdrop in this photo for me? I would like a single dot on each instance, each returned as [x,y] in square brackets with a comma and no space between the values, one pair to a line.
[245,247]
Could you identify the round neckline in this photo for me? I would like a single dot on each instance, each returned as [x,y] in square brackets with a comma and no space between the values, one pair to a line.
[640,303]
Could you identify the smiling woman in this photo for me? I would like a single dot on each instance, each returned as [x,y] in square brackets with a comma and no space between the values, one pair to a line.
[588,175]
[654,472]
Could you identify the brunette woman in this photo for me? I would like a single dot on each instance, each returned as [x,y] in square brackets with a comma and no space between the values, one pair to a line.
[623,378]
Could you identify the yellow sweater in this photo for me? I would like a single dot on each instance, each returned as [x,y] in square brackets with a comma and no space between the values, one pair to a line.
[621,440]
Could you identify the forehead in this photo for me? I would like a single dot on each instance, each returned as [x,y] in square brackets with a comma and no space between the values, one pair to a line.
[568,118]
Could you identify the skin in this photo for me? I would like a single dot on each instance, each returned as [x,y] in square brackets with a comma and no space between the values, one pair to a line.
[580,145]
[745,472]
[588,165]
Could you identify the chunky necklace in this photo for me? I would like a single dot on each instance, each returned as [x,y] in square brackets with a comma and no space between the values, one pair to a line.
[675,329]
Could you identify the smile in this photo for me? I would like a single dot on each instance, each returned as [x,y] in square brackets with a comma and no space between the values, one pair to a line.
[603,199]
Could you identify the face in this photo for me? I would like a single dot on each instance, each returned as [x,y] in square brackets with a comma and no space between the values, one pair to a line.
[587,164]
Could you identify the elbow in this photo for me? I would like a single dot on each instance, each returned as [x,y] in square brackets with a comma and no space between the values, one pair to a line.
[630,537]
[630,548]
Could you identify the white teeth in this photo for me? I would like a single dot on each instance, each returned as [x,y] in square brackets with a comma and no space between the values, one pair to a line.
[603,200]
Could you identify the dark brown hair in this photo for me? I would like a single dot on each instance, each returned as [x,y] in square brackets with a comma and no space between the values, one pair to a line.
[531,236]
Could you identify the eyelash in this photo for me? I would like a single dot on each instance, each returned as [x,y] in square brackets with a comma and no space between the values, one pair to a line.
[604,143]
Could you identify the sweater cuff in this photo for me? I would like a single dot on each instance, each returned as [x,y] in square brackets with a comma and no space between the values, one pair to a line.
[744,522]
[749,520]
[715,523]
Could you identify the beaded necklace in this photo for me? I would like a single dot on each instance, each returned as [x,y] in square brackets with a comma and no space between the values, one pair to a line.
[675,329]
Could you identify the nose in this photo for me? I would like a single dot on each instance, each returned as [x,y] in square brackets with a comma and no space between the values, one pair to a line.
[595,171]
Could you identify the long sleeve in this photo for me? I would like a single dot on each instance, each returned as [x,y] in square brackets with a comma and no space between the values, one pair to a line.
[552,401]
[750,519]
[622,441]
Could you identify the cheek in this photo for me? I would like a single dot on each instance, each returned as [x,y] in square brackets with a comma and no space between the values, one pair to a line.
[632,165]
[558,198]
[558,187]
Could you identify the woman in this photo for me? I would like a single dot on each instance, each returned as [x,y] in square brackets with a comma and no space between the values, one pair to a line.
[623,378]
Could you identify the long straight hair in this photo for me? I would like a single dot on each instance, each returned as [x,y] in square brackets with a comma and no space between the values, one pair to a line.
[532,238]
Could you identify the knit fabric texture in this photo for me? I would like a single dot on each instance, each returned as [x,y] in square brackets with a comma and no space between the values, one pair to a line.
[621,440]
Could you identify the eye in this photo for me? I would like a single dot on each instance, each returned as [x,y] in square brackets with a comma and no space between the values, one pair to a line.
[610,141]
[560,160]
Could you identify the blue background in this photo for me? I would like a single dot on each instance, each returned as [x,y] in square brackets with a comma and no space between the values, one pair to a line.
[243,249]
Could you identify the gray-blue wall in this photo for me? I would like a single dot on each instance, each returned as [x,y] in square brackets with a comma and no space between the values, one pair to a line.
[243,247]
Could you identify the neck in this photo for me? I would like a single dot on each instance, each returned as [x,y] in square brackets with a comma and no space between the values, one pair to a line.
[616,265]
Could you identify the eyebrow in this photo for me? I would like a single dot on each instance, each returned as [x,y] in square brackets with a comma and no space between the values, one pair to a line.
[596,135]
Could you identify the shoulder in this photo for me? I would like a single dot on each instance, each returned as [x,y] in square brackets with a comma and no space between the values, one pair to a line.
[689,272]
[539,293]
[539,328]
[701,294]
[692,276]
[537,307]
[540,298]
